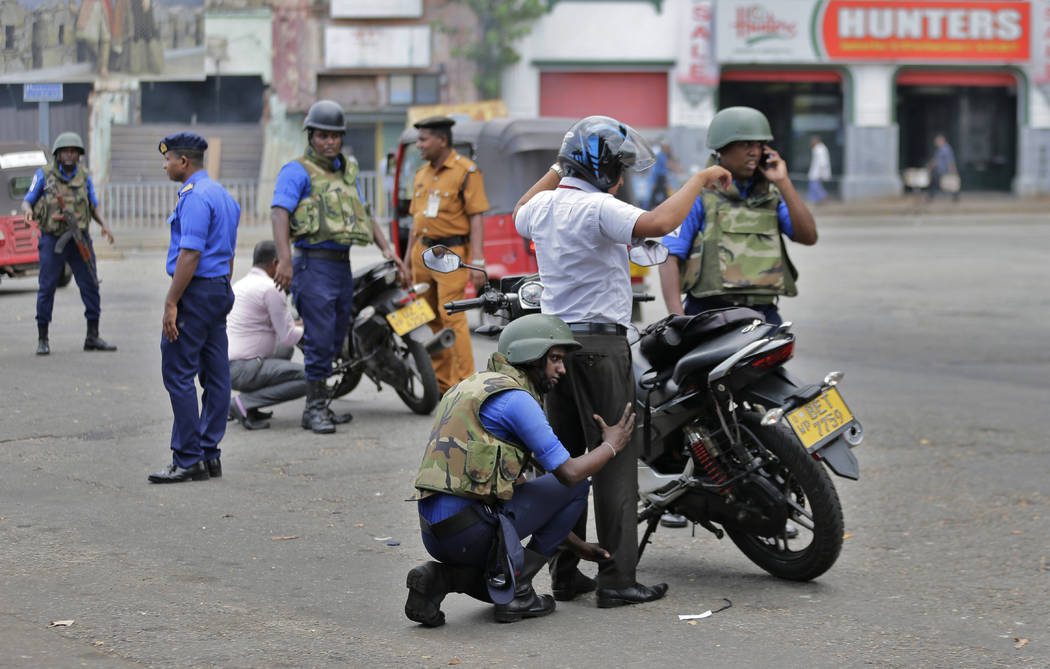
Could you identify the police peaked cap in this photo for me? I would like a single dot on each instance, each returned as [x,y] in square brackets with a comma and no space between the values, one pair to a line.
[189,141]
[435,122]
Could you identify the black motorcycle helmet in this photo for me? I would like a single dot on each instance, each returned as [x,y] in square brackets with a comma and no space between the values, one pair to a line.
[325,115]
[598,148]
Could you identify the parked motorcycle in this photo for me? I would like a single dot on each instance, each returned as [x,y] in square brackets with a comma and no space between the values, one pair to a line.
[729,438]
[388,340]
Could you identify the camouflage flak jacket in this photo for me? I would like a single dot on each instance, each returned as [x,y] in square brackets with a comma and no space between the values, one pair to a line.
[74,193]
[462,457]
[333,211]
[740,251]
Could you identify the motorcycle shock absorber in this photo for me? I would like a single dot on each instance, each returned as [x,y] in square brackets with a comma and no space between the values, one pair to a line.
[706,454]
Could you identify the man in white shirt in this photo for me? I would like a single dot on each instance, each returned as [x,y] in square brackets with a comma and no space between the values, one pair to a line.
[819,169]
[262,335]
[581,232]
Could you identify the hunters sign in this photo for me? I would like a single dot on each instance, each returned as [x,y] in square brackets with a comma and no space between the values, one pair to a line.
[939,31]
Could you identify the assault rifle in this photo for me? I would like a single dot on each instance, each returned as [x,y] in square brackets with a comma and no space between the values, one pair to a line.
[72,231]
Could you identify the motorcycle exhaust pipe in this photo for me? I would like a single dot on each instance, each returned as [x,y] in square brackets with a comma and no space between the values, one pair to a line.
[439,342]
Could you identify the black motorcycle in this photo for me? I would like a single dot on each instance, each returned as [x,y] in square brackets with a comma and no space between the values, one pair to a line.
[729,438]
[388,340]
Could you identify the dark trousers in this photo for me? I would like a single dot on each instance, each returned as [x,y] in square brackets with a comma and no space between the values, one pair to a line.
[693,306]
[324,296]
[267,381]
[201,351]
[51,266]
[542,508]
[600,381]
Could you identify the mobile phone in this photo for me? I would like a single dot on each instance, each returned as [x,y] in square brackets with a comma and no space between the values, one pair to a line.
[763,162]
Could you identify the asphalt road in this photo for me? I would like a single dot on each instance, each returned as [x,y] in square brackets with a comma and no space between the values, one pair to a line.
[297,556]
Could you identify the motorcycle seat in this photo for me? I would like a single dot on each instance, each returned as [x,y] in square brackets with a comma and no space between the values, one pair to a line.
[711,352]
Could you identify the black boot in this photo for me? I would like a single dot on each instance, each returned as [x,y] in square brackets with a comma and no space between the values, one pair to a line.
[526,603]
[315,414]
[429,583]
[567,581]
[42,345]
[92,342]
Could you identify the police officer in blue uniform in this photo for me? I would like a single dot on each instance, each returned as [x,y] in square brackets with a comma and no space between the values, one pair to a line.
[67,179]
[317,204]
[194,343]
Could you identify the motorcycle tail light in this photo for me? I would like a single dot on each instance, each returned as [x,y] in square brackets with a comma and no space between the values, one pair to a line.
[776,358]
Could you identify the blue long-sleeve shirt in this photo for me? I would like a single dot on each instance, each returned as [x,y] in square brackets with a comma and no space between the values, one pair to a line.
[512,415]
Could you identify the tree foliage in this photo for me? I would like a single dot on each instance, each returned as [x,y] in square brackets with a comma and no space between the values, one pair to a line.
[500,24]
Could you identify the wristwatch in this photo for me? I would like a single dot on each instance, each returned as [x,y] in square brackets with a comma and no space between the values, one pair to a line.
[559,169]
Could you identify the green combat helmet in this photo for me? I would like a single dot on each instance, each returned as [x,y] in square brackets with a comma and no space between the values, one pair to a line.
[530,337]
[68,140]
[737,124]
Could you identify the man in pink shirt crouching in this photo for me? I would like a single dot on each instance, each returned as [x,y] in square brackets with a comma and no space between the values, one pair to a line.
[262,336]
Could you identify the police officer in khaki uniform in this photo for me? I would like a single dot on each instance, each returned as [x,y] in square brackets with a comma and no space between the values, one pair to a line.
[447,203]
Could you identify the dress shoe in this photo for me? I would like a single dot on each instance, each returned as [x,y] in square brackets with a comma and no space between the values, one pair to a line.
[214,467]
[175,474]
[96,343]
[632,594]
[673,520]
[43,347]
[526,604]
[568,589]
[244,416]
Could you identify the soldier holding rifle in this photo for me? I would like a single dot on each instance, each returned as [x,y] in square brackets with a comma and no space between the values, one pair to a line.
[63,202]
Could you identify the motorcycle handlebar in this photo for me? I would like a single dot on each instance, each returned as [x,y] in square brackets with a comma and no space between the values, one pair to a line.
[463,305]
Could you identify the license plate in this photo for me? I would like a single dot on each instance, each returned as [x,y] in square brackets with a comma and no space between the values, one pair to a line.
[823,417]
[410,316]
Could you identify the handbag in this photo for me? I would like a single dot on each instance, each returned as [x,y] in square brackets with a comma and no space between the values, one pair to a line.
[950,183]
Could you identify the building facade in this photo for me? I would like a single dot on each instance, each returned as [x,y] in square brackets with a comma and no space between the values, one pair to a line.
[875,79]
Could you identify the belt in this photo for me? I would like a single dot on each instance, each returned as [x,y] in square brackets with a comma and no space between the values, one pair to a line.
[598,329]
[454,240]
[224,278]
[336,255]
[454,524]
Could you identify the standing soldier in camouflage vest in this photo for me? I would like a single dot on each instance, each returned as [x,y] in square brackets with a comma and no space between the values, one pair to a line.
[66,179]
[728,250]
[317,204]
[474,506]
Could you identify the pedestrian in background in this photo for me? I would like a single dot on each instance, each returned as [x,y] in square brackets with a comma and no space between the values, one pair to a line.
[942,169]
[263,336]
[194,343]
[318,206]
[448,201]
[69,180]
[659,173]
[819,169]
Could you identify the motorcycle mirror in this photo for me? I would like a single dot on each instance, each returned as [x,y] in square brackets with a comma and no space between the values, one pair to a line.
[649,252]
[529,294]
[441,258]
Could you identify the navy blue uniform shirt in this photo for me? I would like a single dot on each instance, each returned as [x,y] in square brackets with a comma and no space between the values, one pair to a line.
[205,220]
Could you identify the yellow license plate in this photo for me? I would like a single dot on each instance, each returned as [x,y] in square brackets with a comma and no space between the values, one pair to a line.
[410,316]
[821,418]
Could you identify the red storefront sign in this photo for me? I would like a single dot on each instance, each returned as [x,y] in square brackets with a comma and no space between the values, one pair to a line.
[927,31]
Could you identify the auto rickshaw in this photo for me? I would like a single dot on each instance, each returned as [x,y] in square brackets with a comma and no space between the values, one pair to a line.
[19,256]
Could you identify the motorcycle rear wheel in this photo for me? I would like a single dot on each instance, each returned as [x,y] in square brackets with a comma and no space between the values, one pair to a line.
[421,393]
[816,513]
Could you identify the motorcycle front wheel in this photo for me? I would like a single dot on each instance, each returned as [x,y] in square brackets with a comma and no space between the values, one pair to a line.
[420,392]
[812,539]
